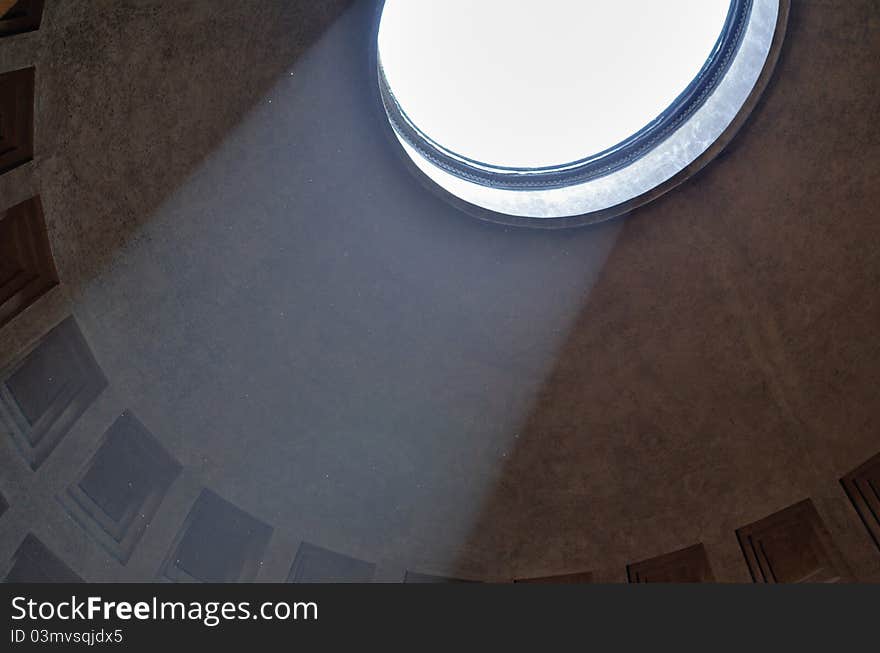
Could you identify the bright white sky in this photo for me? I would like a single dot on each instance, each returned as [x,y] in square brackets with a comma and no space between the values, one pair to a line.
[529,83]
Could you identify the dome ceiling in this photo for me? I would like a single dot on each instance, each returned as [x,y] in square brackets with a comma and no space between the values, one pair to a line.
[309,347]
